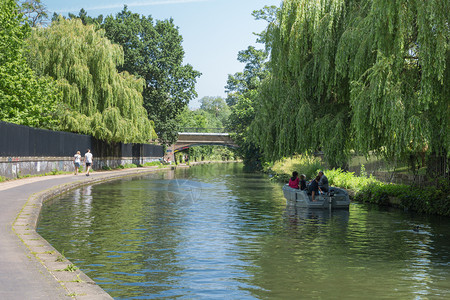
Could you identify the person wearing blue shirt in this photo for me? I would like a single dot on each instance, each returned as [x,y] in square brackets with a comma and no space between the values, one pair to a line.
[313,188]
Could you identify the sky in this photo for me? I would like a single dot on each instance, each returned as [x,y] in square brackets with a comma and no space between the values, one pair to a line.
[213,31]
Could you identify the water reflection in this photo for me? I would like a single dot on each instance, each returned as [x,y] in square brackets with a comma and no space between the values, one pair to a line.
[216,232]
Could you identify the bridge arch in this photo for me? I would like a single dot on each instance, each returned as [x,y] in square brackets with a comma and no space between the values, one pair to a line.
[187,140]
[185,147]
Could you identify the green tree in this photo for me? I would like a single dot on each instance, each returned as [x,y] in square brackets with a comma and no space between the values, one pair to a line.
[24,98]
[396,56]
[153,51]
[302,106]
[217,108]
[254,73]
[192,119]
[242,93]
[97,99]
[35,11]
[369,75]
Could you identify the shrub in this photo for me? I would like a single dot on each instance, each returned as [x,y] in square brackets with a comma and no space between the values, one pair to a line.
[429,200]
[303,164]
[153,163]
[129,166]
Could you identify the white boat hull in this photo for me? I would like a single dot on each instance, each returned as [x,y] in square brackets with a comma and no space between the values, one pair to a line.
[335,198]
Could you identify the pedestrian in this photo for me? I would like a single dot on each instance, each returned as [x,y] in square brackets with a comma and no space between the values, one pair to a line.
[77,161]
[88,161]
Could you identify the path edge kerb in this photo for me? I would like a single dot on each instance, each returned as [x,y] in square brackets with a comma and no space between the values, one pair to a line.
[77,284]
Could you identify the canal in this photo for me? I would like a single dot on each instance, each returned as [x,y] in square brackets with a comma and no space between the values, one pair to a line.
[216,232]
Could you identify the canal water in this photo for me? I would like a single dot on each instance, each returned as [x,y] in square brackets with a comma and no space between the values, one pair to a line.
[215,232]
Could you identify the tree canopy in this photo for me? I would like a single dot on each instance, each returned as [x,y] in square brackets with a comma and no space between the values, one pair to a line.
[24,98]
[368,75]
[242,90]
[213,113]
[153,51]
[97,100]
[35,12]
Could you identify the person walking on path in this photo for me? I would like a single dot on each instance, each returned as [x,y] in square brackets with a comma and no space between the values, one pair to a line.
[77,161]
[88,161]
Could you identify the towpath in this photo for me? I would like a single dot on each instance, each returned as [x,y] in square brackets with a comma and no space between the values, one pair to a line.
[23,274]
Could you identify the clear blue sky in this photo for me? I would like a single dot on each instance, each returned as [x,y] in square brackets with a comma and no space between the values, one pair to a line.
[213,31]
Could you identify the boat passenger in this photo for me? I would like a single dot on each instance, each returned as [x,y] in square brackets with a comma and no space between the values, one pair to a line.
[294,180]
[323,182]
[313,188]
[303,182]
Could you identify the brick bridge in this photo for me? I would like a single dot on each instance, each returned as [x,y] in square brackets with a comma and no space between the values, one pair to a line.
[190,137]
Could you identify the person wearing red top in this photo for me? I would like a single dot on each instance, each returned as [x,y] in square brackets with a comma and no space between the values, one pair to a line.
[294,180]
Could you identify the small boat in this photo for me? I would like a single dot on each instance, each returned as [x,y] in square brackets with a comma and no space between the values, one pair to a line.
[335,198]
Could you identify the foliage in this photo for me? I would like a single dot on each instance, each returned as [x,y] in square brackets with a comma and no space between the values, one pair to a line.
[97,100]
[303,164]
[153,51]
[153,163]
[82,15]
[269,14]
[209,153]
[241,89]
[213,113]
[369,75]
[242,93]
[71,268]
[35,12]
[194,119]
[348,180]
[217,107]
[254,72]
[24,98]
[129,166]
[432,199]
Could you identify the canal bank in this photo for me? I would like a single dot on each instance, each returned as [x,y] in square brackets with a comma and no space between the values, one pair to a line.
[31,267]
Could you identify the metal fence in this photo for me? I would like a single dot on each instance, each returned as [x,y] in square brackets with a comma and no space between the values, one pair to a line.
[18,140]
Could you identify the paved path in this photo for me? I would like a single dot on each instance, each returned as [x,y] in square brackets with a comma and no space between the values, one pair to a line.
[22,276]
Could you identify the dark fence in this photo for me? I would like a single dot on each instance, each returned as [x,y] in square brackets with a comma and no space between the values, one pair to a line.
[18,140]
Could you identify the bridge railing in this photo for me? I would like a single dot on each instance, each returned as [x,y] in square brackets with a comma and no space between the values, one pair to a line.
[203,130]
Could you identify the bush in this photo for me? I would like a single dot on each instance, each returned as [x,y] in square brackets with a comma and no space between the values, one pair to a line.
[129,166]
[303,164]
[153,163]
[106,168]
[428,200]
[348,180]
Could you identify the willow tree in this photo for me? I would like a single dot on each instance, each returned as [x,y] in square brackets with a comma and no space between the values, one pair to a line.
[396,55]
[97,99]
[370,75]
[303,104]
